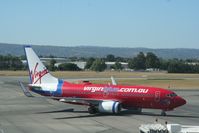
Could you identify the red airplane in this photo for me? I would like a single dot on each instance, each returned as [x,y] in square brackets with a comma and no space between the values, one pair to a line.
[100,98]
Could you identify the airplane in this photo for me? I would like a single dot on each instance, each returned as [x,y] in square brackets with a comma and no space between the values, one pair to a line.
[100,98]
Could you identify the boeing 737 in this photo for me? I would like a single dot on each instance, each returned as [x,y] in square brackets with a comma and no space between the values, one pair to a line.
[100,98]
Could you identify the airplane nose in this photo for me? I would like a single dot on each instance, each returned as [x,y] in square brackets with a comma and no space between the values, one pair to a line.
[180,101]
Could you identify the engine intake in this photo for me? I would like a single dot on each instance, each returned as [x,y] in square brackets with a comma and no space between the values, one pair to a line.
[109,107]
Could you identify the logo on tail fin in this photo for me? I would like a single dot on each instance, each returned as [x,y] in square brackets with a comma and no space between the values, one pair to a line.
[37,75]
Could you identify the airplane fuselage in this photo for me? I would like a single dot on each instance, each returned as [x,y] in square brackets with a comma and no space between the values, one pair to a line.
[128,96]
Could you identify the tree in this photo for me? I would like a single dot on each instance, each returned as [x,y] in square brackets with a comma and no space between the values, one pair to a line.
[164,64]
[89,63]
[110,57]
[173,67]
[68,67]
[152,61]
[98,65]
[23,57]
[10,62]
[138,62]
[120,59]
[16,63]
[180,66]
[117,66]
[52,65]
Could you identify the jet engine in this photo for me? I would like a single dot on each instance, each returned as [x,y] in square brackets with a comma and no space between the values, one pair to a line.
[109,107]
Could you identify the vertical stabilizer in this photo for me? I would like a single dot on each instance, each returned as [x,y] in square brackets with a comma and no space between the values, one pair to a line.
[38,73]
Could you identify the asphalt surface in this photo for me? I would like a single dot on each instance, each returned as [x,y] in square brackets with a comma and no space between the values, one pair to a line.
[19,114]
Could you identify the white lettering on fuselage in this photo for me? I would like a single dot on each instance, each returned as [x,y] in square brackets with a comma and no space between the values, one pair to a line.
[135,90]
[93,89]
[101,89]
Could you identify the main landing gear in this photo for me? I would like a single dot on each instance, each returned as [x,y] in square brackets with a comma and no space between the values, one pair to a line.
[139,111]
[92,110]
[163,113]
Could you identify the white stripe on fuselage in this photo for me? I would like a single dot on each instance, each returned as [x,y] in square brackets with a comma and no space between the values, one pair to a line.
[46,87]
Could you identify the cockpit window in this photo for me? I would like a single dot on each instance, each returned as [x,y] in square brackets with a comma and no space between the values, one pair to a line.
[171,95]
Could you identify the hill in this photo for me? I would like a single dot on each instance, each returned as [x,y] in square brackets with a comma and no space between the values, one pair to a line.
[92,51]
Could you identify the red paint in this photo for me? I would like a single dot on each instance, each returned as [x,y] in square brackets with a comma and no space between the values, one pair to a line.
[128,96]
[37,75]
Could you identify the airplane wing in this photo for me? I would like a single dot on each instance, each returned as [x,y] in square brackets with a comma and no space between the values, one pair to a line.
[113,81]
[25,90]
[84,101]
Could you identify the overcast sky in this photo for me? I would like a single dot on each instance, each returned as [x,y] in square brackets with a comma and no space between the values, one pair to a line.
[116,23]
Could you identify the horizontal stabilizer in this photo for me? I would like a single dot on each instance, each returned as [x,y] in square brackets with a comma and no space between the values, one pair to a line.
[25,90]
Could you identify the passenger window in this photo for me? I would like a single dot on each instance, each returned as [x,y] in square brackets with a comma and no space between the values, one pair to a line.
[171,95]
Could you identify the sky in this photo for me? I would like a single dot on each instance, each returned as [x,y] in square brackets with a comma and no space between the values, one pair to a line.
[112,23]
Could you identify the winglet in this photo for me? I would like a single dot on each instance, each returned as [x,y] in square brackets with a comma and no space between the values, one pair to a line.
[113,81]
[25,90]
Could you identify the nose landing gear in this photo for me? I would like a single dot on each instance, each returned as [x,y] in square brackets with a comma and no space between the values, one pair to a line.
[163,113]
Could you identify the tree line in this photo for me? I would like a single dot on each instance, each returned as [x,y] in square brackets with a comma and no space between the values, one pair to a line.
[10,62]
[141,62]
[150,60]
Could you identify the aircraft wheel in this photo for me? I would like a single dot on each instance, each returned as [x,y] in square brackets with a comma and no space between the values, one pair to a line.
[92,110]
[163,113]
[139,110]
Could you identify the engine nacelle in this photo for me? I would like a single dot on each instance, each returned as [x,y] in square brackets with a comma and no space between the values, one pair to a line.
[109,107]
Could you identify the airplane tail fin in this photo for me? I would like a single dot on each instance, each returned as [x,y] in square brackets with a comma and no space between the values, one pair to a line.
[38,73]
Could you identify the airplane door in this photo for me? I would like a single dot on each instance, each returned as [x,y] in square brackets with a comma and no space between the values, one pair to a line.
[106,92]
[157,96]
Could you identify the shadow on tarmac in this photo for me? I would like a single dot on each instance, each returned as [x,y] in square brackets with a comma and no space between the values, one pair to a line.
[123,113]
[57,111]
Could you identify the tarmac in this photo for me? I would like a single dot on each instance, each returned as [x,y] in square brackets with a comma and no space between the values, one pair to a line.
[19,114]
